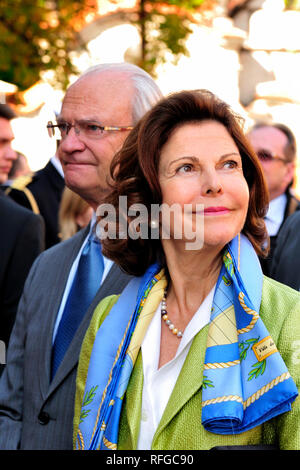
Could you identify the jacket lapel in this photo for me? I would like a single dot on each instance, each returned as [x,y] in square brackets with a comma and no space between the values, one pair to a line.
[133,406]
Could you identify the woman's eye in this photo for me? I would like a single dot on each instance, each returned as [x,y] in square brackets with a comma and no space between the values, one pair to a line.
[185,168]
[230,164]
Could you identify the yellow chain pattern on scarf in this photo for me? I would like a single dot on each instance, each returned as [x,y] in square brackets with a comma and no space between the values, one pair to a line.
[221,365]
[109,444]
[81,441]
[266,388]
[212,401]
[253,397]
[250,312]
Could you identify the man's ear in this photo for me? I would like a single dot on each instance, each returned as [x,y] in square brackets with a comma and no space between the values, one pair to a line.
[290,172]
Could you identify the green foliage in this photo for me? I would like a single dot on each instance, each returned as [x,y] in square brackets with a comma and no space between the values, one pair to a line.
[38,35]
[167,31]
[292,4]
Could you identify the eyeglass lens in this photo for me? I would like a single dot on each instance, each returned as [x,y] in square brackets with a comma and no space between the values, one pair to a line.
[265,155]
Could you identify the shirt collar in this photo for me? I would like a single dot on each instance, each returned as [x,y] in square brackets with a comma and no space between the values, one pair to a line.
[275,214]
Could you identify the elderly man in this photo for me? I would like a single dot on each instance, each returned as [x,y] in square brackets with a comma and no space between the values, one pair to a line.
[21,238]
[38,386]
[275,146]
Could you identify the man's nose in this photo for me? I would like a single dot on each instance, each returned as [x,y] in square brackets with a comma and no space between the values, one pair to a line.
[71,142]
[10,153]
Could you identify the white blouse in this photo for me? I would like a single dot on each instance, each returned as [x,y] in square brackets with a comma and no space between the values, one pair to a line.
[159,383]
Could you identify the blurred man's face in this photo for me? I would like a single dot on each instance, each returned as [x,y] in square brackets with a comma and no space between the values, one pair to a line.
[7,154]
[104,98]
[278,172]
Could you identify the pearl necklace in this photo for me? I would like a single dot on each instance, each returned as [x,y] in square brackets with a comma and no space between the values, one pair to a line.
[164,316]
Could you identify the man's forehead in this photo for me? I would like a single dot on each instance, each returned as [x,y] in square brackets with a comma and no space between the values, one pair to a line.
[99,93]
[268,134]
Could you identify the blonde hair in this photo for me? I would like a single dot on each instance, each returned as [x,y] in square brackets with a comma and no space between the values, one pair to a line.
[71,206]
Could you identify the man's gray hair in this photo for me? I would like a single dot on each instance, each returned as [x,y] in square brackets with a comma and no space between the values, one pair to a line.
[147,92]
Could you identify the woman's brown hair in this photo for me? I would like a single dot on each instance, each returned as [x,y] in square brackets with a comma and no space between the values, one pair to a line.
[134,171]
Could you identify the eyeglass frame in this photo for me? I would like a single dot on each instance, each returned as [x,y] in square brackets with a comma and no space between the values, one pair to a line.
[271,157]
[51,127]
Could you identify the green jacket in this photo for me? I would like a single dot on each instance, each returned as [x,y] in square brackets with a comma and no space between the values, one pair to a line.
[180,427]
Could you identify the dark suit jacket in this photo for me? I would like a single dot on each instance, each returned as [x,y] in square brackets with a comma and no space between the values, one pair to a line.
[46,186]
[285,265]
[34,413]
[21,241]
[292,205]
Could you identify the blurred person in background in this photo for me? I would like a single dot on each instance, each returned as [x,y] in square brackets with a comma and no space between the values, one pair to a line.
[21,235]
[285,265]
[275,146]
[20,167]
[74,214]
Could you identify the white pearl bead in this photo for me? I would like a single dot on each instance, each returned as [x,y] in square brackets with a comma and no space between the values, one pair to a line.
[165,318]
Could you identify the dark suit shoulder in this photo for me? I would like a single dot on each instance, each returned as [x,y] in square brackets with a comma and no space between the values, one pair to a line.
[292,223]
[9,206]
[18,195]
[49,176]
[285,266]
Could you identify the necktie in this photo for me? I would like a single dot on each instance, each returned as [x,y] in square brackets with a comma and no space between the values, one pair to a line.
[84,288]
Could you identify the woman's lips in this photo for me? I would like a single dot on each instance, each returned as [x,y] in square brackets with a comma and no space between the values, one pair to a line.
[216,210]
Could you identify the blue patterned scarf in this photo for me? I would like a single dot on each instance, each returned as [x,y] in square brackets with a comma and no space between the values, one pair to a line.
[245,380]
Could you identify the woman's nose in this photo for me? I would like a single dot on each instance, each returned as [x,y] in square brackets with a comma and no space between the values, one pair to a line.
[211,183]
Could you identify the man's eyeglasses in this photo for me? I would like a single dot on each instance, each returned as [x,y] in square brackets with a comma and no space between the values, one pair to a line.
[267,156]
[89,129]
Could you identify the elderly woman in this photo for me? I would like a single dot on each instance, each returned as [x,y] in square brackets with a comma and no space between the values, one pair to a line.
[197,352]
